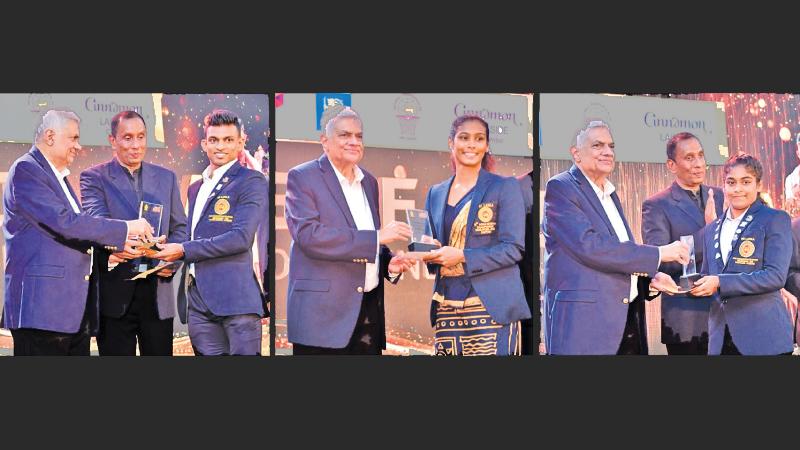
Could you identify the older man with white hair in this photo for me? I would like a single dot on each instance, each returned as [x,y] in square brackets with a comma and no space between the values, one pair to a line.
[595,275]
[339,254]
[49,306]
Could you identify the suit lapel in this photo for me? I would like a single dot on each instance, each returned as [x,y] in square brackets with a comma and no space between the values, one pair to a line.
[151,185]
[372,198]
[438,205]
[122,183]
[591,196]
[481,186]
[330,179]
[618,205]
[222,185]
[685,204]
[747,219]
[54,183]
[194,188]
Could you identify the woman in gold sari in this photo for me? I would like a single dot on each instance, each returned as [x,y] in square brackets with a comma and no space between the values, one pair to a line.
[478,297]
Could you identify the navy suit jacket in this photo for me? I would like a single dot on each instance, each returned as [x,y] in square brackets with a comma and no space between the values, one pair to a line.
[793,279]
[328,256]
[749,299]
[491,257]
[107,192]
[222,247]
[587,269]
[48,250]
[666,216]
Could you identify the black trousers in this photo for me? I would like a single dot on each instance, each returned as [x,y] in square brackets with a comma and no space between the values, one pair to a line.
[118,336]
[634,338]
[728,347]
[694,347]
[531,329]
[34,342]
[366,338]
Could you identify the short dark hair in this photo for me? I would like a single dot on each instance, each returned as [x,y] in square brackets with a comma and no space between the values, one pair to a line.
[488,161]
[219,117]
[750,162]
[124,115]
[672,144]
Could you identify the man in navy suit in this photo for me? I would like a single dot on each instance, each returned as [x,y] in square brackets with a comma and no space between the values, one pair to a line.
[338,255]
[596,277]
[49,306]
[224,298]
[142,309]
[683,209]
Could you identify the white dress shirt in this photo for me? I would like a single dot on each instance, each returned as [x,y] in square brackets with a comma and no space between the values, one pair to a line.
[61,177]
[729,226]
[209,181]
[616,221]
[362,215]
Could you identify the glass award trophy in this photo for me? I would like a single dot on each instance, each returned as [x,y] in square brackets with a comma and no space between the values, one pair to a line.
[421,234]
[151,212]
[690,274]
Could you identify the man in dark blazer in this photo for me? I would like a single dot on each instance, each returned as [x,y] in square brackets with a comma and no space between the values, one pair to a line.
[134,310]
[530,327]
[49,306]
[224,301]
[596,277]
[338,255]
[683,209]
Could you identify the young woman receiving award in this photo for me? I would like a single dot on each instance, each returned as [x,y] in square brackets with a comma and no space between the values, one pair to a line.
[748,251]
[479,219]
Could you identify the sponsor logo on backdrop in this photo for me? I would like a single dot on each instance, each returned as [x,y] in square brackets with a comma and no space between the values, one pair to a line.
[406,109]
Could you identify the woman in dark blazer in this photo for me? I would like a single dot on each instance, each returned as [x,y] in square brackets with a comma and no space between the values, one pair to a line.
[747,260]
[478,297]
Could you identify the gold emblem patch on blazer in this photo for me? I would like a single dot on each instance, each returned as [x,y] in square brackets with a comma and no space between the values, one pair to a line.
[485,213]
[222,206]
[485,224]
[747,249]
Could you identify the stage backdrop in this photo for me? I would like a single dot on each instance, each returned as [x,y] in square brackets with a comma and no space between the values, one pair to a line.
[174,130]
[404,171]
[764,125]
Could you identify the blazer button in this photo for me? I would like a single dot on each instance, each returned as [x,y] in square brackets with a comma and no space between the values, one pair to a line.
[360,289]
[86,277]
[625,300]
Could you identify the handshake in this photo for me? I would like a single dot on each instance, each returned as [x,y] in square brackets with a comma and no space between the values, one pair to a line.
[141,242]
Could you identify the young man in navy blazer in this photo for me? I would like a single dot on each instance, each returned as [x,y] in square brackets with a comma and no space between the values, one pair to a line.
[224,300]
